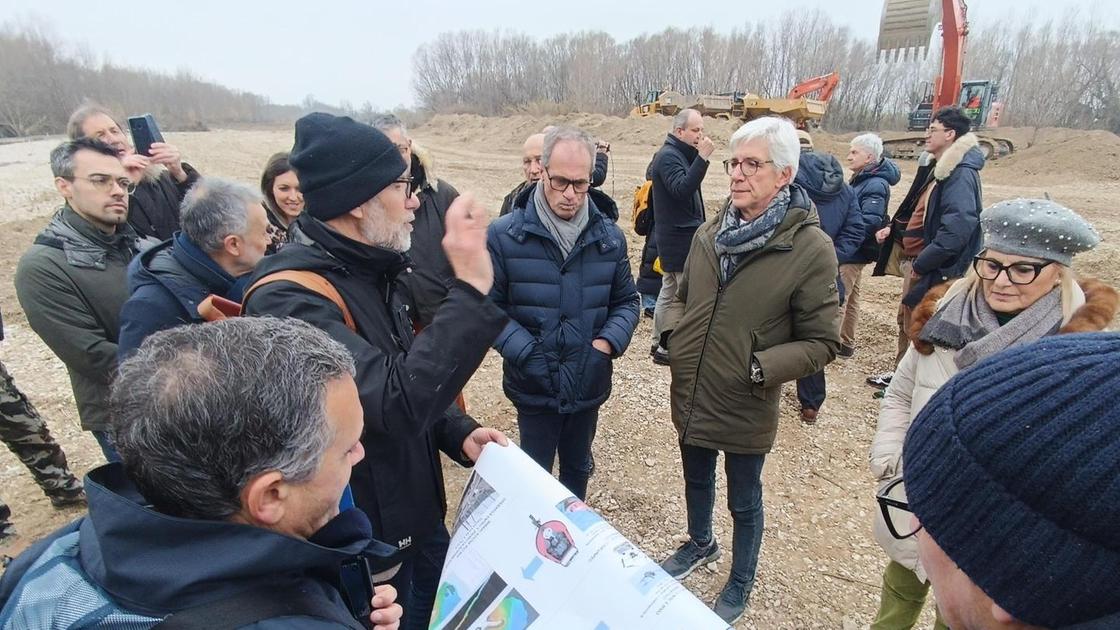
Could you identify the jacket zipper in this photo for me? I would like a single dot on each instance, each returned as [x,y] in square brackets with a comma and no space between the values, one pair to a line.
[703,349]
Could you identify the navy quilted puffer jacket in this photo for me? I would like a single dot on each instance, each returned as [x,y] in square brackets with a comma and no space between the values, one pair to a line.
[557,307]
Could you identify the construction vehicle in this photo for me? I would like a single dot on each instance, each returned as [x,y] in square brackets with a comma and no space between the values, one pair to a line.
[797,106]
[914,29]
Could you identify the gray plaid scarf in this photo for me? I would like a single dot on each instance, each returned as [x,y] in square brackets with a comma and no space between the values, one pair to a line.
[737,238]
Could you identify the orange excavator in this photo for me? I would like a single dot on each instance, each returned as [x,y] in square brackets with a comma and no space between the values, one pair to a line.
[823,85]
[905,34]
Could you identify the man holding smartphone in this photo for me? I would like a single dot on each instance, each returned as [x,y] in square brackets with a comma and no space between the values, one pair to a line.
[162,177]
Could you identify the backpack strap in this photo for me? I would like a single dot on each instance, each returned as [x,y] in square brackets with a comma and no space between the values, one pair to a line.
[311,281]
[255,605]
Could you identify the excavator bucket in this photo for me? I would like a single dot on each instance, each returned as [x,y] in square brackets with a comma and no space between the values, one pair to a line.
[905,28]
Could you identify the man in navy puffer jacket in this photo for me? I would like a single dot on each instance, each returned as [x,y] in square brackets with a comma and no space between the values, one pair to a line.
[562,275]
[820,175]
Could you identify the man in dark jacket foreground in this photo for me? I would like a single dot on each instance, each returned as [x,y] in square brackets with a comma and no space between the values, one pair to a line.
[1010,476]
[562,274]
[266,437]
[354,231]
[822,179]
[759,308]
[225,234]
[677,170]
[162,178]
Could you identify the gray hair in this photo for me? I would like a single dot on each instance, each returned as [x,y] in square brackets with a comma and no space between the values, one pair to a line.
[201,409]
[78,118]
[62,156]
[387,122]
[215,208]
[780,136]
[680,121]
[567,134]
[871,143]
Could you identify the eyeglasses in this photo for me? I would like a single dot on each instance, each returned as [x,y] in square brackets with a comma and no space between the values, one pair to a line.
[560,184]
[896,510]
[104,183]
[411,182]
[932,129]
[1018,272]
[747,167]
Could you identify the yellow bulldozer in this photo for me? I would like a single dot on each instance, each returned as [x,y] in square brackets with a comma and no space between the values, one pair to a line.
[797,106]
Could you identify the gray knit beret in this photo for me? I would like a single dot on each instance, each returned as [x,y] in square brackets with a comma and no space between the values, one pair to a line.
[1038,228]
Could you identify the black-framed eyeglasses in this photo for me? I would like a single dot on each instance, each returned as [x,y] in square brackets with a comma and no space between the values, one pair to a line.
[560,184]
[412,183]
[747,167]
[896,510]
[1021,272]
[104,183]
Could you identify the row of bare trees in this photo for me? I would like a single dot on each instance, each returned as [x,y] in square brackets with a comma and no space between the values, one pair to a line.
[40,85]
[1064,73]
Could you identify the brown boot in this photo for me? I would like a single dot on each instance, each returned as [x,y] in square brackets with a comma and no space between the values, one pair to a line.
[808,416]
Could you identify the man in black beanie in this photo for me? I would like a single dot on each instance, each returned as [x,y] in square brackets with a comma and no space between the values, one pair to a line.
[357,224]
[1013,478]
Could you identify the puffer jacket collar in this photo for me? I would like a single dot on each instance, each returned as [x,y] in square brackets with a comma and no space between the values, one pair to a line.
[1101,304]
[526,222]
[886,170]
[182,268]
[84,245]
[964,151]
[152,563]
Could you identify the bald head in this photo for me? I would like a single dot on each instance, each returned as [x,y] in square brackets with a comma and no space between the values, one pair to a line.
[531,157]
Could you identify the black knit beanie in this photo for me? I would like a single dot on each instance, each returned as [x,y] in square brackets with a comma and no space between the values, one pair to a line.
[341,163]
[1013,469]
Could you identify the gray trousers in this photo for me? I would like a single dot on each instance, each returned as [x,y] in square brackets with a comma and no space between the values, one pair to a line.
[667,310]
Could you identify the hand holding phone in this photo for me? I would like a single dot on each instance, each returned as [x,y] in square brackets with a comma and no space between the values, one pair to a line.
[145,131]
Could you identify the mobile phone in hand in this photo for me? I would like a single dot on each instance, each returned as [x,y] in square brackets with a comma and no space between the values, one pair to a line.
[145,131]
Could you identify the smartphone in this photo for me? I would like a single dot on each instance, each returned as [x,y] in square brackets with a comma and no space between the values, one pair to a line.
[145,131]
[357,587]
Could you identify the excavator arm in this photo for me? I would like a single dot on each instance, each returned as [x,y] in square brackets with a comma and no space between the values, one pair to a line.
[825,84]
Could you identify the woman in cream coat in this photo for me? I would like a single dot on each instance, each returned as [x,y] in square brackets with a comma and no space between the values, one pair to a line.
[1019,289]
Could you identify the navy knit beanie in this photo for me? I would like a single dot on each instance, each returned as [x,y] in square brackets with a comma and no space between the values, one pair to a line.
[1013,468]
[341,163]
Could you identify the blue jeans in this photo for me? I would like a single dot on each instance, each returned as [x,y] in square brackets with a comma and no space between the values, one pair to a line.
[106,444]
[744,499]
[544,435]
[811,391]
[418,579]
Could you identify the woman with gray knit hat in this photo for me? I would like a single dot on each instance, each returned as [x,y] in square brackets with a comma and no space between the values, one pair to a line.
[1021,287]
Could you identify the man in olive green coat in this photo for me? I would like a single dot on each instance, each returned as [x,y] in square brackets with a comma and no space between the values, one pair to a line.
[760,308]
[71,281]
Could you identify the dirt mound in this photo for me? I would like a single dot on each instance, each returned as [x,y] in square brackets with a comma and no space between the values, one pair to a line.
[1051,155]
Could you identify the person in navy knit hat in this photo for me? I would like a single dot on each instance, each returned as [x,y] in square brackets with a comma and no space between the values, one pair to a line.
[1013,478]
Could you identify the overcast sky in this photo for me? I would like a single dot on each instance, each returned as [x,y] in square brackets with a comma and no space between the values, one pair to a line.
[362,50]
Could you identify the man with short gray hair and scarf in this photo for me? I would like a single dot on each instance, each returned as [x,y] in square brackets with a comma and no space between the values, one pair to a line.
[562,275]
[759,307]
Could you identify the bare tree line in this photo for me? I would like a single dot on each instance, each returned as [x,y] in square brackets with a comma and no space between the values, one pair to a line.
[1064,73]
[40,86]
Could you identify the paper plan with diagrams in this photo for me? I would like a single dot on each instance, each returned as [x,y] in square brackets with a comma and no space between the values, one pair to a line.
[525,553]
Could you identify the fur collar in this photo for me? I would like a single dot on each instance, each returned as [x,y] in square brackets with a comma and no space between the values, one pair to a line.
[953,155]
[425,159]
[1101,303]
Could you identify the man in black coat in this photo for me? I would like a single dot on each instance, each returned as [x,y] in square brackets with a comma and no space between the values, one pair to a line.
[162,177]
[431,271]
[677,171]
[354,231]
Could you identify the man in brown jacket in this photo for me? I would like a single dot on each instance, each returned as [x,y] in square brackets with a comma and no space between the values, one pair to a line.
[760,308]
